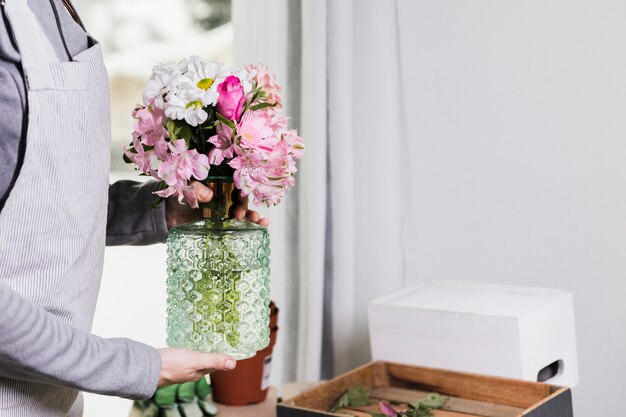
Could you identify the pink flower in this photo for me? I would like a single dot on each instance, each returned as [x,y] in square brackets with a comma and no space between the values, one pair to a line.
[183,164]
[182,192]
[149,124]
[146,161]
[274,121]
[267,82]
[254,134]
[248,173]
[149,128]
[161,149]
[269,194]
[386,409]
[279,163]
[231,98]
[279,169]
[295,143]
[272,191]
[224,147]
[179,168]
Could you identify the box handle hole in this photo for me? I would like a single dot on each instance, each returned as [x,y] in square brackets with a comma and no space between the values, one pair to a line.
[548,372]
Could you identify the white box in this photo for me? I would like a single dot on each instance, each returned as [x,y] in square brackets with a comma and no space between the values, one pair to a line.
[488,329]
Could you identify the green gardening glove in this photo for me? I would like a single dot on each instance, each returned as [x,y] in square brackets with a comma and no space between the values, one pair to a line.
[181,400]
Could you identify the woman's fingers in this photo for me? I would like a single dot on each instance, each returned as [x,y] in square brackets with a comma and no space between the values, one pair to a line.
[217,362]
[240,213]
[253,216]
[202,192]
[180,365]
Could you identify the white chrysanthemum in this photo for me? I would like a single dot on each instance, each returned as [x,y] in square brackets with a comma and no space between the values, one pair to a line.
[186,105]
[164,80]
[205,77]
[183,64]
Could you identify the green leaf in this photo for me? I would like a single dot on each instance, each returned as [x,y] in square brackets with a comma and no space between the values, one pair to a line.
[254,97]
[424,406]
[224,120]
[354,397]
[433,401]
[198,143]
[359,396]
[184,132]
[422,412]
[260,94]
[211,116]
[342,402]
[171,128]
[262,106]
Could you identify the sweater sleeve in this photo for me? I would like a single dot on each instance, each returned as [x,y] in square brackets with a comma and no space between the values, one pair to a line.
[131,219]
[37,347]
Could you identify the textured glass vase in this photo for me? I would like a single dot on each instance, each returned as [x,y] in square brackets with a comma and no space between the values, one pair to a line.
[218,281]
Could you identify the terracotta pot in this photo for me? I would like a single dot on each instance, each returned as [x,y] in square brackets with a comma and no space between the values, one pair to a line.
[273,315]
[249,382]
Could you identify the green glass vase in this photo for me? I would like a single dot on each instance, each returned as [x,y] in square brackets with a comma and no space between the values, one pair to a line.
[218,280]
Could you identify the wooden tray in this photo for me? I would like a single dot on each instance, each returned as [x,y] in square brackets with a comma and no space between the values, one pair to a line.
[470,395]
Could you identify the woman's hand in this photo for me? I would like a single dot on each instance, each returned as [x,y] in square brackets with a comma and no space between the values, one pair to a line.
[181,365]
[177,213]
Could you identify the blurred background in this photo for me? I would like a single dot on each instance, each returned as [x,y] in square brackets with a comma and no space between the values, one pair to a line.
[135,36]
[457,140]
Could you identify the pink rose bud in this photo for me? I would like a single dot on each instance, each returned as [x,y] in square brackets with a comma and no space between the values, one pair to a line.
[230,101]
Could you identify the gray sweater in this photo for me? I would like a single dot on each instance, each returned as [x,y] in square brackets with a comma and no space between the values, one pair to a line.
[35,346]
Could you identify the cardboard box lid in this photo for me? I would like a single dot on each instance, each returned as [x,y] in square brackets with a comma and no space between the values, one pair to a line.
[471,298]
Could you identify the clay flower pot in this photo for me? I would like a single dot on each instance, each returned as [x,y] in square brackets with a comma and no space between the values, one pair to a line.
[249,382]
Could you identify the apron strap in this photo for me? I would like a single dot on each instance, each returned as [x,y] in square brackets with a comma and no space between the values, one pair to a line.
[72,11]
[34,46]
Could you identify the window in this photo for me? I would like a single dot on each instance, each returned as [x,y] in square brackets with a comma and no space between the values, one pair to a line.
[136,35]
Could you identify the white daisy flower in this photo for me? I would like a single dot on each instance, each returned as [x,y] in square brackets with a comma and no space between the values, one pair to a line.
[163,81]
[186,105]
[182,65]
[205,77]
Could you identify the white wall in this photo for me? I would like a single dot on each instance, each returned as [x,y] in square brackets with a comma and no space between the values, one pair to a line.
[131,304]
[516,114]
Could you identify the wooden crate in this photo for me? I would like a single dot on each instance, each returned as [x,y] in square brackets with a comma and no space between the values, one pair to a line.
[470,395]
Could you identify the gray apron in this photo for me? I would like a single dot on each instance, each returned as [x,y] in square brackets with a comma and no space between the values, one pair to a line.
[53,225]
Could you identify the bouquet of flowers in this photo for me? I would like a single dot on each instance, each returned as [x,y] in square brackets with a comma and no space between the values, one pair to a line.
[201,119]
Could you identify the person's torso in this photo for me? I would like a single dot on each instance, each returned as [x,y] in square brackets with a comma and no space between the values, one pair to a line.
[52,226]
[65,31]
